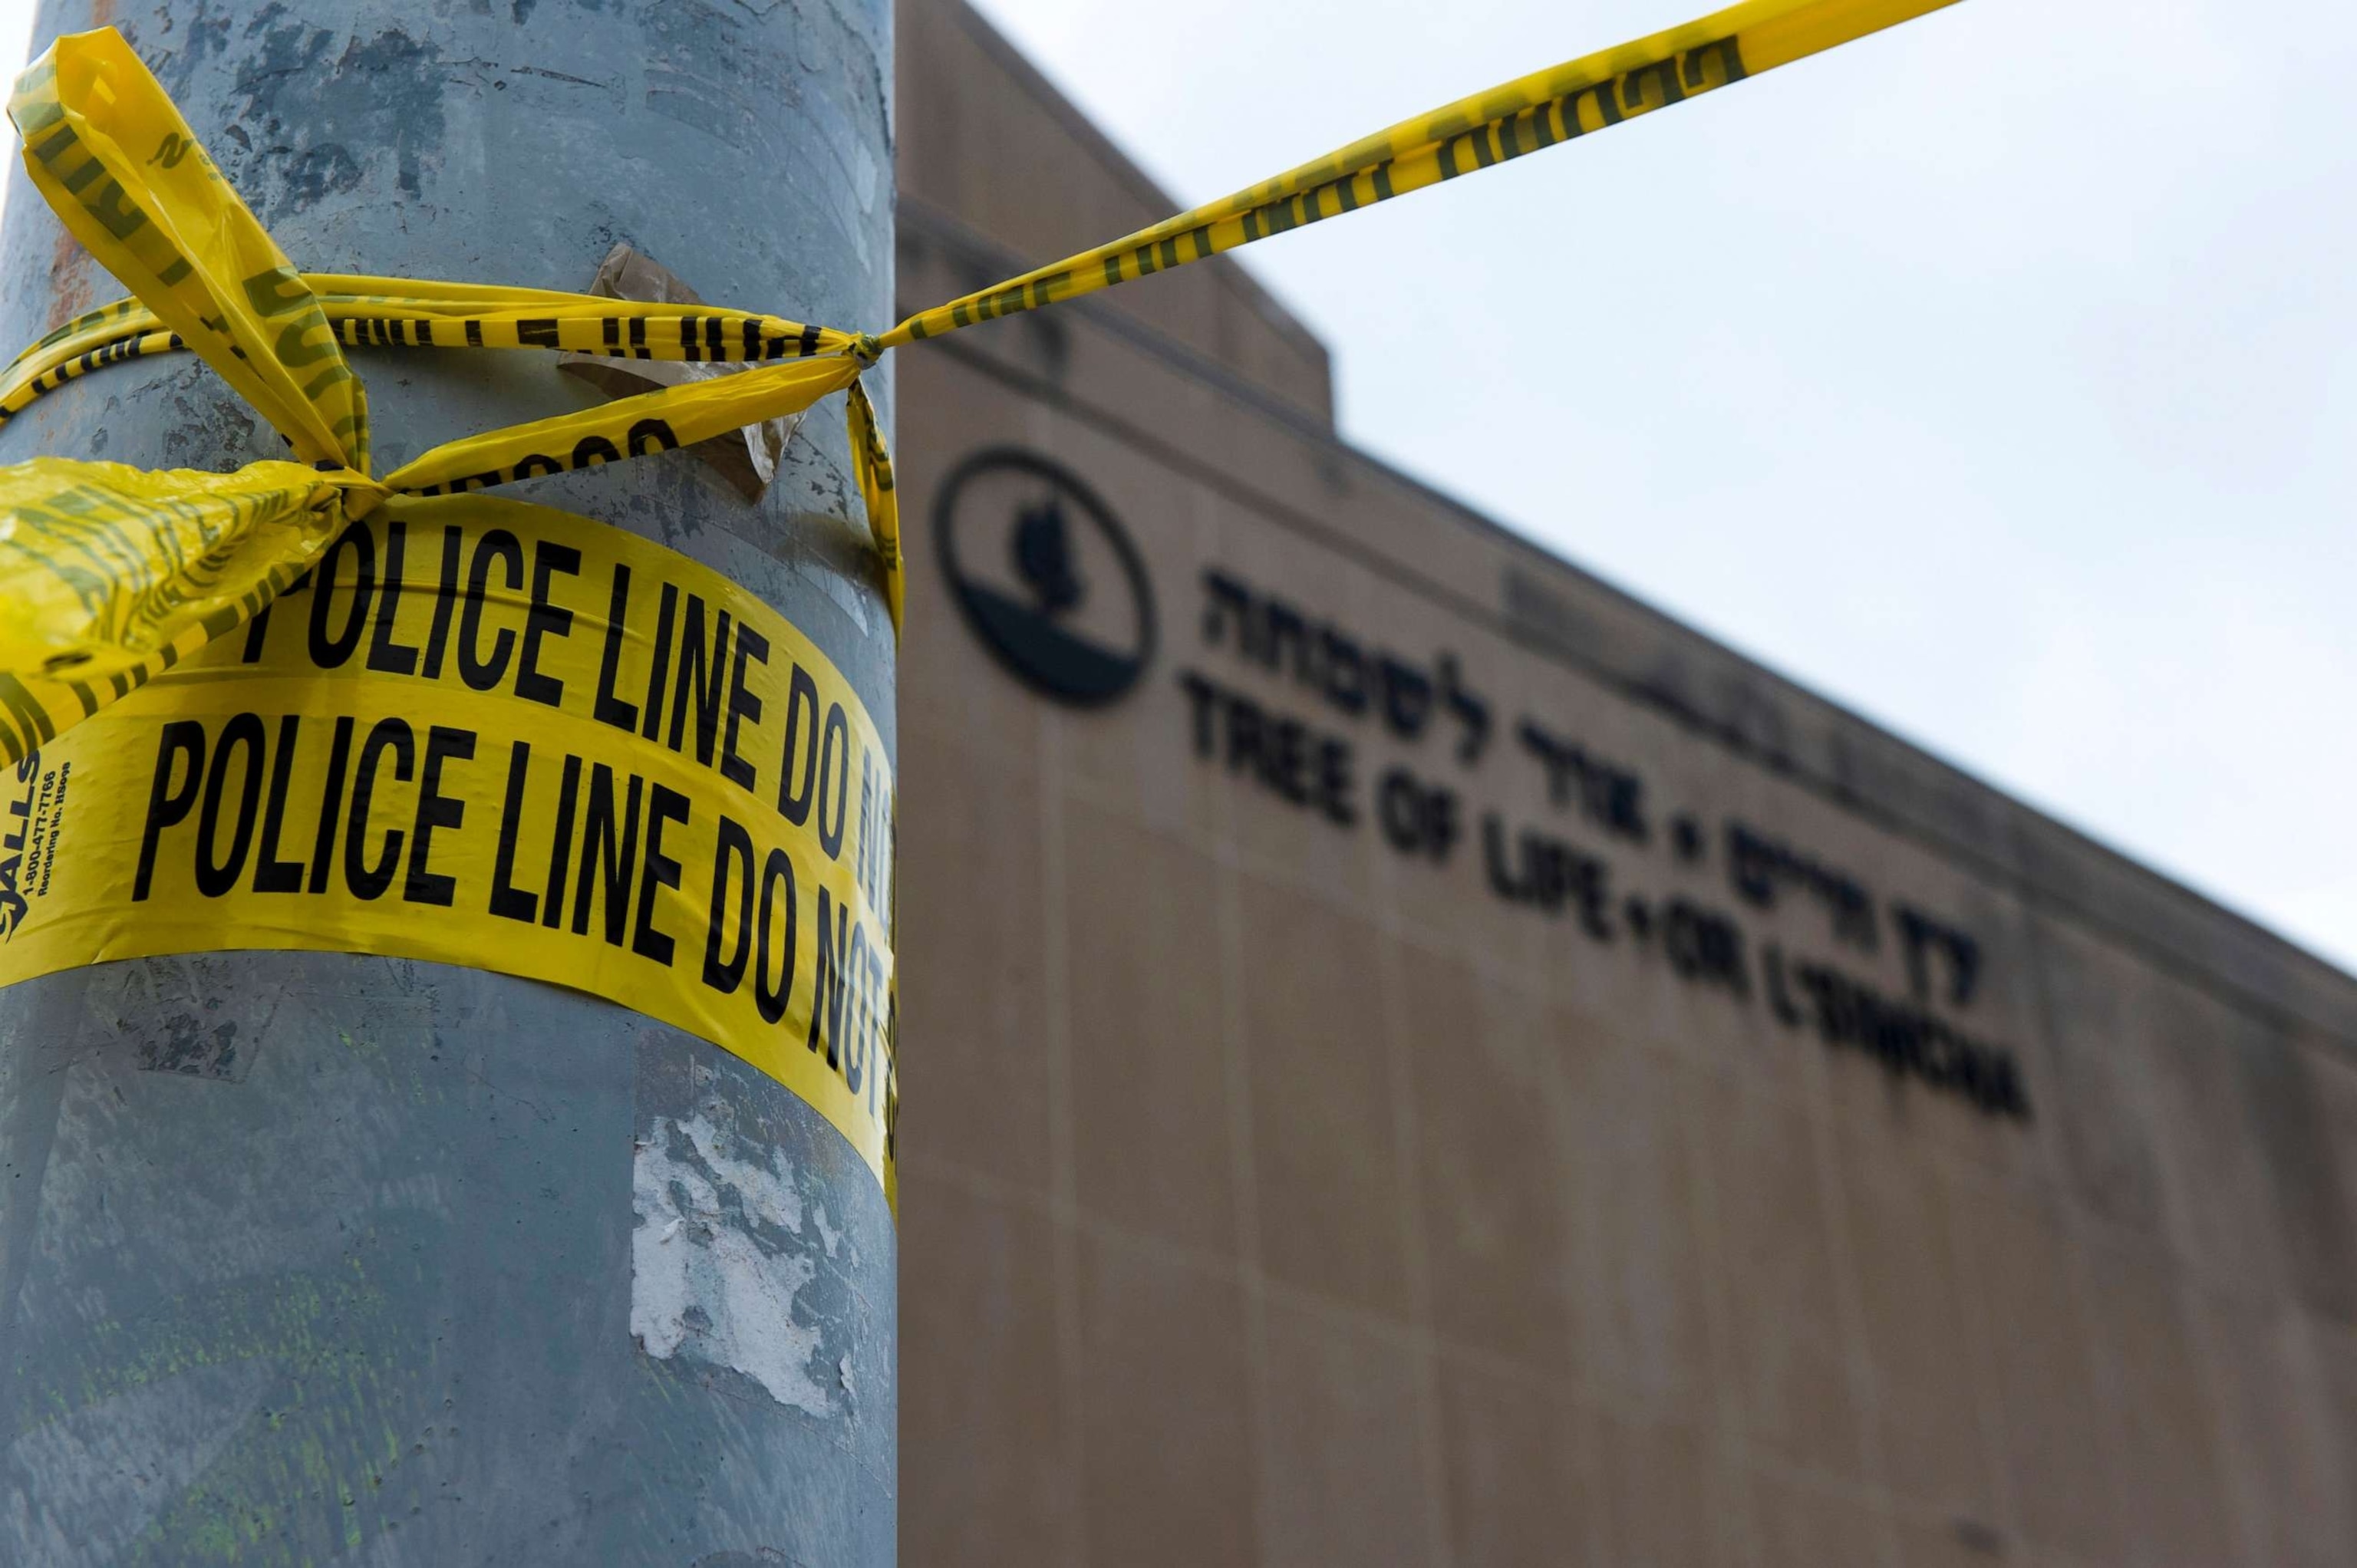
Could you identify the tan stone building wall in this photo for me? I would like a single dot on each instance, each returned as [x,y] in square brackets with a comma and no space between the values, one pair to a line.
[1323,1143]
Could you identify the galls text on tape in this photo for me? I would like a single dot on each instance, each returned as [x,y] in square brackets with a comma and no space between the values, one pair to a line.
[485,733]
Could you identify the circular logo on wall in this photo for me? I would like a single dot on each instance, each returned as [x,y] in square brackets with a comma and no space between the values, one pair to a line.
[1045,576]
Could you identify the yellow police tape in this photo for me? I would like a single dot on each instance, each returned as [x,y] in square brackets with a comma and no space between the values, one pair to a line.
[170,771]
[483,733]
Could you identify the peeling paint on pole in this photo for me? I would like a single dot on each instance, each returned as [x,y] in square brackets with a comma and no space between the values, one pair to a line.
[314,1256]
[729,1263]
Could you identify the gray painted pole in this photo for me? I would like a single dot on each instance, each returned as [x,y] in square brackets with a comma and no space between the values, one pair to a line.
[309,1257]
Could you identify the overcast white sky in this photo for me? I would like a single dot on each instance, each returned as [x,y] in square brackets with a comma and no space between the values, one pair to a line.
[1994,376]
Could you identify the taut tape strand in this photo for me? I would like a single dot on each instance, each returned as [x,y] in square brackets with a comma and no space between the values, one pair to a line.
[1542,109]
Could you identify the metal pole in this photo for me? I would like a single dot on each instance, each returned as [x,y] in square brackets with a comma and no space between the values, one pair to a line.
[315,1256]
